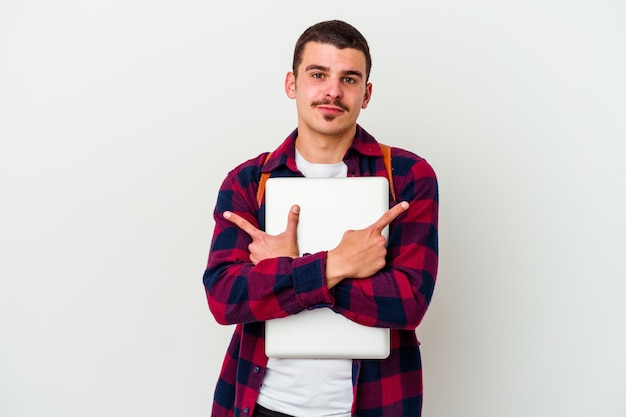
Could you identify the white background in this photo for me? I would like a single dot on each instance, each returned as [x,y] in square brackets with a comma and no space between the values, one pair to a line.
[119,120]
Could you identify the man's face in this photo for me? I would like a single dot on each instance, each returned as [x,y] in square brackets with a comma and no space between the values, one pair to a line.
[330,89]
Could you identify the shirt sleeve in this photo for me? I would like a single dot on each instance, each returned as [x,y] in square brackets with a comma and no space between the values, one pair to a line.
[239,291]
[399,294]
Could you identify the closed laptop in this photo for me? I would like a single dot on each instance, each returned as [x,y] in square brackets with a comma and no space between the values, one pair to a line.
[328,207]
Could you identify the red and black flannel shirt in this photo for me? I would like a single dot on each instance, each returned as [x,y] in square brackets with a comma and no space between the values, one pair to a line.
[397,297]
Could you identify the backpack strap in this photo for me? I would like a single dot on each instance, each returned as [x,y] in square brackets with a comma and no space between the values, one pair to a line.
[385,149]
[264,176]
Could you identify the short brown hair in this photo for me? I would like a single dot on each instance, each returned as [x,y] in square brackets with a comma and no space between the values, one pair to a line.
[334,32]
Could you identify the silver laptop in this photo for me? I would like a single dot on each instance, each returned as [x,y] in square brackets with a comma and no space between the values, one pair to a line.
[328,207]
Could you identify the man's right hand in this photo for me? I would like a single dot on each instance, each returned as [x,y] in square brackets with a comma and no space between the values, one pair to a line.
[361,253]
[264,245]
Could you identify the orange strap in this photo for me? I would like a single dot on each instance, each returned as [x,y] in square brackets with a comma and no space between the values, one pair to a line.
[385,149]
[264,176]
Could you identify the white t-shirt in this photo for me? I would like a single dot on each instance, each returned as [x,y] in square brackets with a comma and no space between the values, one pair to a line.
[309,387]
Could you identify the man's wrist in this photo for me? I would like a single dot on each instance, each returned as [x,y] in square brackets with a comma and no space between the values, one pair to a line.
[333,273]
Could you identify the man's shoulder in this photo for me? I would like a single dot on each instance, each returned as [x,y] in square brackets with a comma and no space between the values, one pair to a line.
[400,156]
[404,160]
[250,166]
[278,156]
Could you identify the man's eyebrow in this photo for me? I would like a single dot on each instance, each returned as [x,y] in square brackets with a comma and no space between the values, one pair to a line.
[354,72]
[317,67]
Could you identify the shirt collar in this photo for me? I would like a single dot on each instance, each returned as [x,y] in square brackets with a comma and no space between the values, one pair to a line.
[285,154]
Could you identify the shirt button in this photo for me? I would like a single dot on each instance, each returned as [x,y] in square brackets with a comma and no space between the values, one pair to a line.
[256,369]
[246,410]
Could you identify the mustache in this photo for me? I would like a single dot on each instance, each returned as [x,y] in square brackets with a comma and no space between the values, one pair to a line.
[335,103]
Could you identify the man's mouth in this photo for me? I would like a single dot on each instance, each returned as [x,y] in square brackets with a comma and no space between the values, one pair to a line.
[335,107]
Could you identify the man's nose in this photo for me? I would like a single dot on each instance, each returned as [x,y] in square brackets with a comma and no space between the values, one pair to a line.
[333,88]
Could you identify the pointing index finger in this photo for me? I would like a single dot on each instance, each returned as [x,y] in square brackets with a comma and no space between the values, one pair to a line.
[240,222]
[389,216]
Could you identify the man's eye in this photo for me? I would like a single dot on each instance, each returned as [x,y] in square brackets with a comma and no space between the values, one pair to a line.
[317,75]
[349,80]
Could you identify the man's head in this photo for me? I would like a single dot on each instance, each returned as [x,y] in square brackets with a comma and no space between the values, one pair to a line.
[329,83]
[333,32]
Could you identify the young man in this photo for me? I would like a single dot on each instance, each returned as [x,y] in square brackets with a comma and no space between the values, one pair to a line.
[252,276]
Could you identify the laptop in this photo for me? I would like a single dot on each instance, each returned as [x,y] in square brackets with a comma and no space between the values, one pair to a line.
[328,207]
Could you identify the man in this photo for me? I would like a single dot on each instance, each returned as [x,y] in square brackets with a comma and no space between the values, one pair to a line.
[252,276]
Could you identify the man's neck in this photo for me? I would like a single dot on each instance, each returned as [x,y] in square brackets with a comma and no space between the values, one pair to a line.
[322,149]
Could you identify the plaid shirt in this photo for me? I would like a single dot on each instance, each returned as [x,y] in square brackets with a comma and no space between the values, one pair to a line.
[396,297]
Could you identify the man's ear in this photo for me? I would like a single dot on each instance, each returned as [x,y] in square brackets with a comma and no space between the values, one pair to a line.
[368,95]
[290,85]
